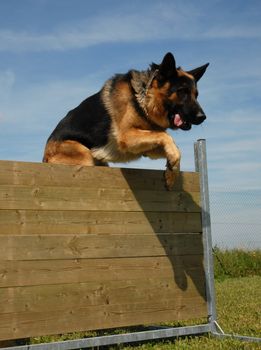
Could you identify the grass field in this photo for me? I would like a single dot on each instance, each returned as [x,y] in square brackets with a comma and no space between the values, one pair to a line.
[236,263]
[238,294]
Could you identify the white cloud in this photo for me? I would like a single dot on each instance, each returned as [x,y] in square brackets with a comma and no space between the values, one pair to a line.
[35,101]
[7,80]
[2,117]
[234,31]
[233,146]
[159,21]
[102,29]
[28,115]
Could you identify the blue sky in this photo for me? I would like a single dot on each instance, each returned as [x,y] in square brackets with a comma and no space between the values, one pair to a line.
[54,53]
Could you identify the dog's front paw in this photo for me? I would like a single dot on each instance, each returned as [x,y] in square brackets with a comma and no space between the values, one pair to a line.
[171,173]
[170,176]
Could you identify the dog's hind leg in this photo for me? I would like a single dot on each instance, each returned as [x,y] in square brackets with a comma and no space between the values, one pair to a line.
[68,152]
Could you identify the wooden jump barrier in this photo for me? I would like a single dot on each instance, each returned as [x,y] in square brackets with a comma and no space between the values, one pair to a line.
[87,248]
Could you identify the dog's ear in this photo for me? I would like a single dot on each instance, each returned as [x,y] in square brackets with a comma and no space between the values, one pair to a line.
[168,66]
[198,72]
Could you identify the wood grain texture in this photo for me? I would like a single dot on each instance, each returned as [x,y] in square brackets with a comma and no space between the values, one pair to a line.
[98,317]
[42,272]
[25,173]
[59,247]
[65,296]
[84,248]
[102,199]
[39,222]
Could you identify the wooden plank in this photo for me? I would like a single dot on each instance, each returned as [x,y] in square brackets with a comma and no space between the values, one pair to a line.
[43,272]
[65,296]
[19,325]
[77,198]
[32,222]
[25,173]
[114,298]
[59,247]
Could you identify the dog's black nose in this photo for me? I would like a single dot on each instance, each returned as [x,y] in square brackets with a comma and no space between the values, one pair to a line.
[200,117]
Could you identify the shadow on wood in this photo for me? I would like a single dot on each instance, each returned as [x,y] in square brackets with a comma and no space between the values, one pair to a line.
[176,224]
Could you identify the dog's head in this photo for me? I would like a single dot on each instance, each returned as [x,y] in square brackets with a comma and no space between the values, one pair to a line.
[176,92]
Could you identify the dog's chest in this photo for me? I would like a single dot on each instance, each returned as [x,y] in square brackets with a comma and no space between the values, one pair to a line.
[111,153]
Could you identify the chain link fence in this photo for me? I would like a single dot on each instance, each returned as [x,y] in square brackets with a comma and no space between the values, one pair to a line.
[236,218]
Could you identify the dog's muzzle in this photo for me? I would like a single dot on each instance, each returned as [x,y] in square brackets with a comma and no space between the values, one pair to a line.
[199,118]
[179,122]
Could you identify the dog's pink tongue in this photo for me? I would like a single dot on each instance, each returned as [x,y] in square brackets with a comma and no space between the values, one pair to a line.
[177,120]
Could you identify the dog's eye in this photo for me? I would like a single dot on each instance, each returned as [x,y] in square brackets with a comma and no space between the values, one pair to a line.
[183,91]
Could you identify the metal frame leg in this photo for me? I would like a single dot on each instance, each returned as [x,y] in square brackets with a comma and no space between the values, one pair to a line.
[201,167]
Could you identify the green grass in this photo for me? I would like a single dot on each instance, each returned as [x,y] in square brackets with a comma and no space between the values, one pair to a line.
[236,263]
[238,294]
[238,305]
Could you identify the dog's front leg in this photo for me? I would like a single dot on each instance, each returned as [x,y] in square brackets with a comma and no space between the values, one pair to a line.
[171,172]
[145,141]
[172,166]
[155,153]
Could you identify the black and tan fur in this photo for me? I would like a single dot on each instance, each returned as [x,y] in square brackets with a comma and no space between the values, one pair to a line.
[128,119]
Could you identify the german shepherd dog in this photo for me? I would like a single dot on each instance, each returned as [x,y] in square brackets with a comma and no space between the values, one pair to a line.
[128,119]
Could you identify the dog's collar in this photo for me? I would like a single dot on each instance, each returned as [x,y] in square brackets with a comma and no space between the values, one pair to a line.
[145,91]
[141,87]
[141,82]
[150,81]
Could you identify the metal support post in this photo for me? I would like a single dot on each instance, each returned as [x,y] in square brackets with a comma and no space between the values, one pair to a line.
[201,167]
